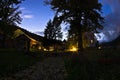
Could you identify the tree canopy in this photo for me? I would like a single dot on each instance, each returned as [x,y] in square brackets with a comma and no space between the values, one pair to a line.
[82,15]
[9,12]
[53,30]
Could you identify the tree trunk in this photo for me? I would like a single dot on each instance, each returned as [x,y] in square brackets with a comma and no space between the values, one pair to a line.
[80,42]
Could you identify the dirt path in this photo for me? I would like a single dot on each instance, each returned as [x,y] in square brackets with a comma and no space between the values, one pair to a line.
[51,68]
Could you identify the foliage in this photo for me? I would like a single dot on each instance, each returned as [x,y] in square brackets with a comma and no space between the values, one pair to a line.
[53,31]
[82,15]
[7,29]
[9,12]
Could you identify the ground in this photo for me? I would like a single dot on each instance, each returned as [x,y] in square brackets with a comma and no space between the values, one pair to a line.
[51,68]
[95,64]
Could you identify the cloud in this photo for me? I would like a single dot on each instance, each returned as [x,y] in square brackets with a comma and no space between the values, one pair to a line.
[22,8]
[28,16]
[40,33]
[112,20]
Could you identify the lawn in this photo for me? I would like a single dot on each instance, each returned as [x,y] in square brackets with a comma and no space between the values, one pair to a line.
[13,61]
[94,65]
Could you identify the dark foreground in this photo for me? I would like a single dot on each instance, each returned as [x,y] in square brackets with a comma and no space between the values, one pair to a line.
[49,69]
[94,65]
[90,65]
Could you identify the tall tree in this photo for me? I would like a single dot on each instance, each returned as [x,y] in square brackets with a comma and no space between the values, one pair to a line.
[53,31]
[82,15]
[48,32]
[9,12]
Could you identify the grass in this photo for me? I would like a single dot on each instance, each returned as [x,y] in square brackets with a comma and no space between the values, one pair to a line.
[13,61]
[94,65]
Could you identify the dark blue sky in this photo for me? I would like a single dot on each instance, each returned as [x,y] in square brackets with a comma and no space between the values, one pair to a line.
[36,14]
[106,9]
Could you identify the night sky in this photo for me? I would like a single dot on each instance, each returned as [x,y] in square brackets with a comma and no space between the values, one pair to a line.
[36,14]
[111,12]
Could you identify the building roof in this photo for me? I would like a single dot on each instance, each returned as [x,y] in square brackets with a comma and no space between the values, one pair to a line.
[10,29]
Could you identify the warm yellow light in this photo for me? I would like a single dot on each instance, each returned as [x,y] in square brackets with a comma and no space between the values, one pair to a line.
[39,48]
[51,48]
[45,49]
[73,48]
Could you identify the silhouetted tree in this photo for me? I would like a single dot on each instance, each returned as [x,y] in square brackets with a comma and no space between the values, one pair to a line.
[9,12]
[48,31]
[82,15]
[9,15]
[53,31]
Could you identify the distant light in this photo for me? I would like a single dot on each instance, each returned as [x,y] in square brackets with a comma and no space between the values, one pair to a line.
[91,41]
[39,48]
[45,49]
[99,47]
[73,48]
[51,49]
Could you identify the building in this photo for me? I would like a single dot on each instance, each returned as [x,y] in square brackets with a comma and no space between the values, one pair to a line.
[22,39]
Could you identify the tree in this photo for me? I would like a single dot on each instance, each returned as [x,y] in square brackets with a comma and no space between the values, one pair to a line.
[9,12]
[48,31]
[53,31]
[82,15]
[9,15]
